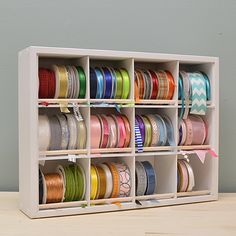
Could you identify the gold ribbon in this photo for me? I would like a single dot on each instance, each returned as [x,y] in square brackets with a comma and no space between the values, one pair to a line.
[63,75]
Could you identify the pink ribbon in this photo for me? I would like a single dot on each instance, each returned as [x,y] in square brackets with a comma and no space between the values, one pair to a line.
[201,153]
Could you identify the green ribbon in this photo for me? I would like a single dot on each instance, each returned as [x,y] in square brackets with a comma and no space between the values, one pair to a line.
[82,82]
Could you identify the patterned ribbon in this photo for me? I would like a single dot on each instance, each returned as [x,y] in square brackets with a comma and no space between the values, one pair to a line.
[198,94]
[138,137]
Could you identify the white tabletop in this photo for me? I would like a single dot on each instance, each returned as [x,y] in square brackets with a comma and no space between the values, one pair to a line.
[211,218]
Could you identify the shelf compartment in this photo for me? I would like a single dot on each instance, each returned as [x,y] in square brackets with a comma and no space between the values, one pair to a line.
[62,205]
[193,193]
[114,62]
[165,168]
[207,68]
[171,66]
[83,61]
[50,166]
[203,176]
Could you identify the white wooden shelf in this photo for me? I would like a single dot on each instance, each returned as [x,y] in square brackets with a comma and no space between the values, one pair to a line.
[164,158]
[193,193]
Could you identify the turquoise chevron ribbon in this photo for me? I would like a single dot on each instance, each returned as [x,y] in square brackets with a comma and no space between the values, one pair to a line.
[198,93]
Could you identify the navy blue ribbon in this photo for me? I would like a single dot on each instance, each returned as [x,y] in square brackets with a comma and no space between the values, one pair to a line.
[40,187]
[108,82]
[93,83]
[151,177]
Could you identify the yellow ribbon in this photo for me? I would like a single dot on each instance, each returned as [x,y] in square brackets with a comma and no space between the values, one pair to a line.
[94,183]
[63,75]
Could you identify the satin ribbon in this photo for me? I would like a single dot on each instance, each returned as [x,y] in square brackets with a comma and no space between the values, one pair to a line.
[141,127]
[151,178]
[121,131]
[125,83]
[94,182]
[140,80]
[105,131]
[76,89]
[119,84]
[116,180]
[113,75]
[100,83]
[108,83]
[95,131]
[113,136]
[186,180]
[41,192]
[171,85]
[154,84]
[184,77]
[127,131]
[93,83]
[148,131]
[61,81]
[82,81]
[102,180]
[109,180]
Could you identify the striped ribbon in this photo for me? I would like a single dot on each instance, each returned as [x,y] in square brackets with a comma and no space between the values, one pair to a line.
[138,137]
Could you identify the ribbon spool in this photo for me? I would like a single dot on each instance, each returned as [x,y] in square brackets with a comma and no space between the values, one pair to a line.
[51,188]
[109,83]
[110,131]
[110,180]
[185,173]
[195,87]
[192,131]
[155,130]
[61,132]
[62,82]
[47,83]
[145,178]
[74,180]
[152,84]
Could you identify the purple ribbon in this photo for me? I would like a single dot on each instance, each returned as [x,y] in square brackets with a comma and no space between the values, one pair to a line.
[141,127]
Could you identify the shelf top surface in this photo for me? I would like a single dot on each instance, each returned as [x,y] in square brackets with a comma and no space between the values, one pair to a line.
[118,55]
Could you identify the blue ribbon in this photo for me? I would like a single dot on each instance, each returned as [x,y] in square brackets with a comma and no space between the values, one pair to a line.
[108,82]
[151,177]
[93,83]
[99,93]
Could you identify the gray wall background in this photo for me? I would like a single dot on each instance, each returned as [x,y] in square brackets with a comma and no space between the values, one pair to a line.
[203,27]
